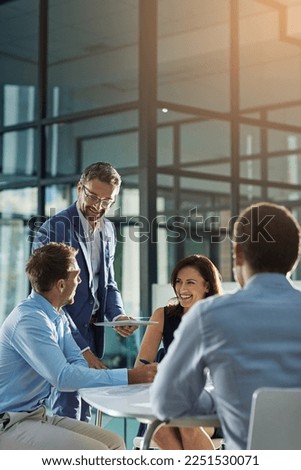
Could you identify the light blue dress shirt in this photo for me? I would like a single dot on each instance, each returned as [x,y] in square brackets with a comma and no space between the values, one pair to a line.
[37,351]
[248,339]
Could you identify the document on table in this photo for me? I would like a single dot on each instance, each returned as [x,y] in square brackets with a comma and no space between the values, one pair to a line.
[126,323]
[119,391]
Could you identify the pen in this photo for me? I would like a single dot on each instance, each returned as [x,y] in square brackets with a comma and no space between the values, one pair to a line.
[144,361]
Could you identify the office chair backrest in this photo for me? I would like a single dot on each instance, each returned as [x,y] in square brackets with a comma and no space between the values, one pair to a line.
[275,419]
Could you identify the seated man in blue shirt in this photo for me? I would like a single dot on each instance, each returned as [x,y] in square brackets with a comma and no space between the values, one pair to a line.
[37,352]
[248,339]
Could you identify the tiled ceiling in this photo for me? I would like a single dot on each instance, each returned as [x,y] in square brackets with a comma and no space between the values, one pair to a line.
[109,24]
[191,33]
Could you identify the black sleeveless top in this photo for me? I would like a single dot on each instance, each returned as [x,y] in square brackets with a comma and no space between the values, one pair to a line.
[171,323]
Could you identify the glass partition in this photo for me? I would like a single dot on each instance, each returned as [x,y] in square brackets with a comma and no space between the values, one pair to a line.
[19,155]
[19,61]
[15,250]
[73,146]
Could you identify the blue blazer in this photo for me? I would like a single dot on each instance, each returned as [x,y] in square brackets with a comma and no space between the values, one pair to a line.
[66,227]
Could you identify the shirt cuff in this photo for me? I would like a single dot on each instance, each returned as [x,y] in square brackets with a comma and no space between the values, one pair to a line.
[119,377]
[119,316]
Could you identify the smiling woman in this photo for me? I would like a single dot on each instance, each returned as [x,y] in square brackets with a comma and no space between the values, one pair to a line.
[194,278]
[190,286]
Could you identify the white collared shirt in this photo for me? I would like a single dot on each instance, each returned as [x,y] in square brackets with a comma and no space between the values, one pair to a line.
[92,252]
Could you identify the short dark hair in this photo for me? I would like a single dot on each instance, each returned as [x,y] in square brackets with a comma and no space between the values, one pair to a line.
[102,171]
[205,267]
[269,236]
[48,264]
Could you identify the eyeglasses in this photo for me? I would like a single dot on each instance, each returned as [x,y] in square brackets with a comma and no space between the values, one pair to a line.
[105,203]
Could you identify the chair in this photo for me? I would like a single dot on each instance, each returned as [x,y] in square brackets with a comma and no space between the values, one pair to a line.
[275,419]
[137,443]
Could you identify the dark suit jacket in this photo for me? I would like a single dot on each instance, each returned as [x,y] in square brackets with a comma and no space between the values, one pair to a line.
[66,227]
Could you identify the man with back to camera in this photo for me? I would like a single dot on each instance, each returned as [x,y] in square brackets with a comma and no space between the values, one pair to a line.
[37,352]
[84,226]
[248,339]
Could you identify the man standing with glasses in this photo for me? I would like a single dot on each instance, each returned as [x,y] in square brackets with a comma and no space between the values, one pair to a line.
[84,226]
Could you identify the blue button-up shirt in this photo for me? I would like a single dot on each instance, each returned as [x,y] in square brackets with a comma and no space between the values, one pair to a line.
[37,351]
[248,339]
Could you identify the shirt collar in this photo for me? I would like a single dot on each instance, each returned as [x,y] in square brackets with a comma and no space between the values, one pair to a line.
[277,279]
[86,226]
[49,309]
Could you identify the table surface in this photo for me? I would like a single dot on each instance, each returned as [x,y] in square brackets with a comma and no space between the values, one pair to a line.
[132,401]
